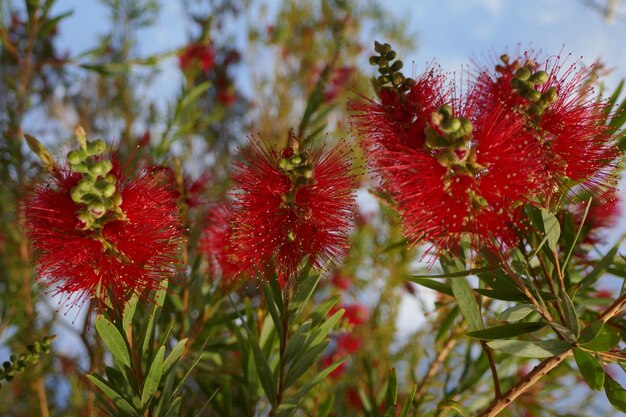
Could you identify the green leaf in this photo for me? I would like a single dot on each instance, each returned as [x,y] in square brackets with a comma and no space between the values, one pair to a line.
[174,408]
[530,349]
[272,308]
[467,302]
[407,404]
[615,393]
[174,355]
[506,331]
[570,314]
[303,363]
[580,228]
[516,313]
[590,368]
[590,332]
[391,397]
[605,340]
[551,227]
[119,401]
[266,376]
[326,407]
[433,285]
[154,378]
[603,264]
[456,274]
[611,103]
[113,340]
[129,312]
[453,405]
[322,332]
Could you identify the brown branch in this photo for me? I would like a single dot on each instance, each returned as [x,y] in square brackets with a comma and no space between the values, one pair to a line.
[544,367]
[522,386]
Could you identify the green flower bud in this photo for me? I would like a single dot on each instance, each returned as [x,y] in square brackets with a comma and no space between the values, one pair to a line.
[397,66]
[374,60]
[296,160]
[383,79]
[391,55]
[77,195]
[397,79]
[97,209]
[96,147]
[75,157]
[523,73]
[102,167]
[117,200]
[539,77]
[291,236]
[108,189]
[378,46]
[385,49]
[80,168]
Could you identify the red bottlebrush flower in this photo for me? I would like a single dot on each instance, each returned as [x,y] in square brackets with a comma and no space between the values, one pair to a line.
[348,343]
[477,189]
[395,122]
[354,399]
[355,314]
[215,243]
[226,96]
[340,281]
[337,83]
[290,205]
[197,56]
[131,256]
[570,123]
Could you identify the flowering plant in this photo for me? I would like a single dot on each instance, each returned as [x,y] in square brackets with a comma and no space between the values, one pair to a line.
[204,273]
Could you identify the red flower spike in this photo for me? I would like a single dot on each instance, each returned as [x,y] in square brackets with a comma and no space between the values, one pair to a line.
[215,243]
[132,256]
[279,222]
[577,143]
[197,56]
[440,205]
[397,121]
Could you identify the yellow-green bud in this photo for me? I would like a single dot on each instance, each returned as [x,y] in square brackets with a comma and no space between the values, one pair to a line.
[523,73]
[102,167]
[539,77]
[108,189]
[96,147]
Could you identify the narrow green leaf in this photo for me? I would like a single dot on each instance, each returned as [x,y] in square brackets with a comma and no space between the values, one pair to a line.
[391,397]
[467,302]
[153,379]
[590,332]
[119,401]
[580,228]
[433,285]
[326,407]
[174,408]
[615,393]
[303,363]
[129,312]
[456,274]
[391,411]
[506,331]
[453,405]
[530,349]
[113,340]
[551,227]
[590,368]
[408,403]
[322,331]
[605,340]
[571,317]
[272,308]
[174,355]
[603,264]
[266,376]
[516,313]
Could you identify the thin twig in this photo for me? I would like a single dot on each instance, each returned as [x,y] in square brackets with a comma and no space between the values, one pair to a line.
[492,365]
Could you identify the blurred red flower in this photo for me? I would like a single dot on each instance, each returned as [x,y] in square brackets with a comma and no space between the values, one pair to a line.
[197,55]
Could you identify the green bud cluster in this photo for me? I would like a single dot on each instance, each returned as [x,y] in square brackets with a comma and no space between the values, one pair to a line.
[96,192]
[451,141]
[298,168]
[390,74]
[525,83]
[18,363]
